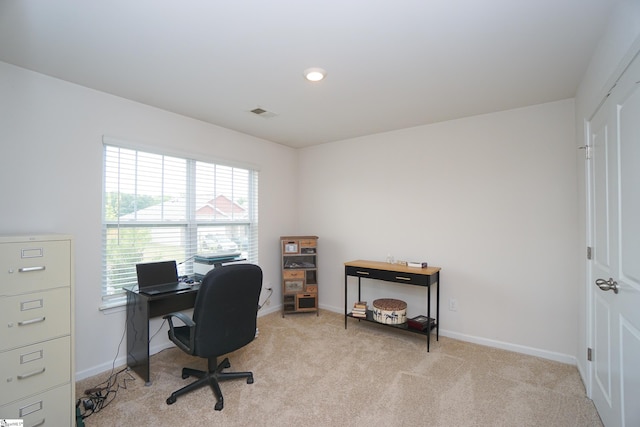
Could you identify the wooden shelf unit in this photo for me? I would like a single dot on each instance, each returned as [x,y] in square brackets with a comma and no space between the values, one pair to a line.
[299,274]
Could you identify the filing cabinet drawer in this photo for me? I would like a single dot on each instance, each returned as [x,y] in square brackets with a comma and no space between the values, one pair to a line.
[31,266]
[34,317]
[28,370]
[50,408]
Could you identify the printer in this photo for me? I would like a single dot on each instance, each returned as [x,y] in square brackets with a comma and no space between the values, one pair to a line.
[202,263]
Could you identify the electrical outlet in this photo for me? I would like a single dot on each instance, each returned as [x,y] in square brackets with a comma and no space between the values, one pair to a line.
[453,304]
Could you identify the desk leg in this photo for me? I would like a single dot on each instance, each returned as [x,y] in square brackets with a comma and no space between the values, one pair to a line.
[429,316]
[438,308]
[345,300]
[138,335]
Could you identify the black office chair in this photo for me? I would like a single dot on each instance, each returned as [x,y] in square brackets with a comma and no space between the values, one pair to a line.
[224,320]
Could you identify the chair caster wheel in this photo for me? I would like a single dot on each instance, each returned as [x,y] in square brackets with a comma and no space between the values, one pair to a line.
[250,380]
[171,400]
[226,365]
[218,406]
[185,376]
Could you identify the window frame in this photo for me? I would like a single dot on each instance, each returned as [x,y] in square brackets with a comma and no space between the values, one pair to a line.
[189,228]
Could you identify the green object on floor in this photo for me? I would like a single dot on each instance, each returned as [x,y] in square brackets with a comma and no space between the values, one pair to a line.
[79,419]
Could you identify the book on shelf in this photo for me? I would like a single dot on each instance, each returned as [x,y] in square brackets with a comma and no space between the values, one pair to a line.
[359,309]
[417,264]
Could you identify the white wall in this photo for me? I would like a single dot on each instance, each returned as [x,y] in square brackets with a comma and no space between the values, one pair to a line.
[616,49]
[490,199]
[51,174]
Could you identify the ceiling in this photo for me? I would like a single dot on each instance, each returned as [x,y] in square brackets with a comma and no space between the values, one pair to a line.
[390,64]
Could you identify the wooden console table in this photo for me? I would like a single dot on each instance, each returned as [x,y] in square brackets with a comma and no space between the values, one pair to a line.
[399,274]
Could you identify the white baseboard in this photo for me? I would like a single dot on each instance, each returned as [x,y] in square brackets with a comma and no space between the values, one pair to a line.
[119,362]
[122,358]
[545,354]
[532,351]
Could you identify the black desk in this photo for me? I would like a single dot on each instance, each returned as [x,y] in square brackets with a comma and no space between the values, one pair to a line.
[141,308]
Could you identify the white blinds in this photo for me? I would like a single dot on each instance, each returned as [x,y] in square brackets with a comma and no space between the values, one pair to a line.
[158,207]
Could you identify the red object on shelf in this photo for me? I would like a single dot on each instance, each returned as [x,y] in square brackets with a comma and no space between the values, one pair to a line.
[419,322]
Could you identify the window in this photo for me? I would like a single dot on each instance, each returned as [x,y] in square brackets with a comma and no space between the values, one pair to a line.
[157,207]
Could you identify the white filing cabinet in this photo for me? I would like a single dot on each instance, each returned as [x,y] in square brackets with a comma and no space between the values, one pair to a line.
[36,331]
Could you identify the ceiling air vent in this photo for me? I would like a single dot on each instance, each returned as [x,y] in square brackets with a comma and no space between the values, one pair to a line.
[263,113]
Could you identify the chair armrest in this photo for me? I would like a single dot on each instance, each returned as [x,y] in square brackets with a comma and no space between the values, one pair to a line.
[183,318]
[187,322]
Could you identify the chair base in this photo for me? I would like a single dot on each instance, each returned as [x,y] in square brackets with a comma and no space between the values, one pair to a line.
[212,377]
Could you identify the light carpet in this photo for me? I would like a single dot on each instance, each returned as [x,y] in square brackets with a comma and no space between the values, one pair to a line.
[310,371]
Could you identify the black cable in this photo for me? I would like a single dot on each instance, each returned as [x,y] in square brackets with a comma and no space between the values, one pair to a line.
[159,329]
[266,299]
[191,257]
[104,393]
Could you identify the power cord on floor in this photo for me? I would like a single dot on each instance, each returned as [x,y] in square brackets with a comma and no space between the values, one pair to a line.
[99,397]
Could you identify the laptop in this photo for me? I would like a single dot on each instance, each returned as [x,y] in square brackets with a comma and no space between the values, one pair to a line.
[159,278]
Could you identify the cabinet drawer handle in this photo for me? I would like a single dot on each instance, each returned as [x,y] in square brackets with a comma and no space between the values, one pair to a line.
[29,269]
[31,374]
[363,272]
[31,408]
[31,321]
[403,278]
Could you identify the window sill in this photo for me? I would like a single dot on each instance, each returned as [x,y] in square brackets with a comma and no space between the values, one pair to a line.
[115,306]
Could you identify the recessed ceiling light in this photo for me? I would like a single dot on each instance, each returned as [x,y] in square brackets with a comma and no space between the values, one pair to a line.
[314,74]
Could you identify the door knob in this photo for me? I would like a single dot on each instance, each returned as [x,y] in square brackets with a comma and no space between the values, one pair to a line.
[607,285]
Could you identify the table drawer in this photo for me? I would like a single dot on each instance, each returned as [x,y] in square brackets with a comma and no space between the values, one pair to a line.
[389,276]
[34,317]
[31,266]
[30,369]
[51,408]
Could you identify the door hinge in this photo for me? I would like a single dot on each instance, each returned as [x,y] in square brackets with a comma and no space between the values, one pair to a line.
[589,354]
[588,252]
[587,151]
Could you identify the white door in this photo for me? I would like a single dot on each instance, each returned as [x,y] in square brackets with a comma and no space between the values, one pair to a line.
[614,217]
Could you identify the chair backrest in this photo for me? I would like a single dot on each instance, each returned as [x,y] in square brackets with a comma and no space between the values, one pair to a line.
[226,309]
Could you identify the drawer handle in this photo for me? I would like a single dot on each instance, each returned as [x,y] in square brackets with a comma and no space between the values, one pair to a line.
[31,374]
[29,269]
[403,278]
[363,272]
[32,408]
[31,321]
